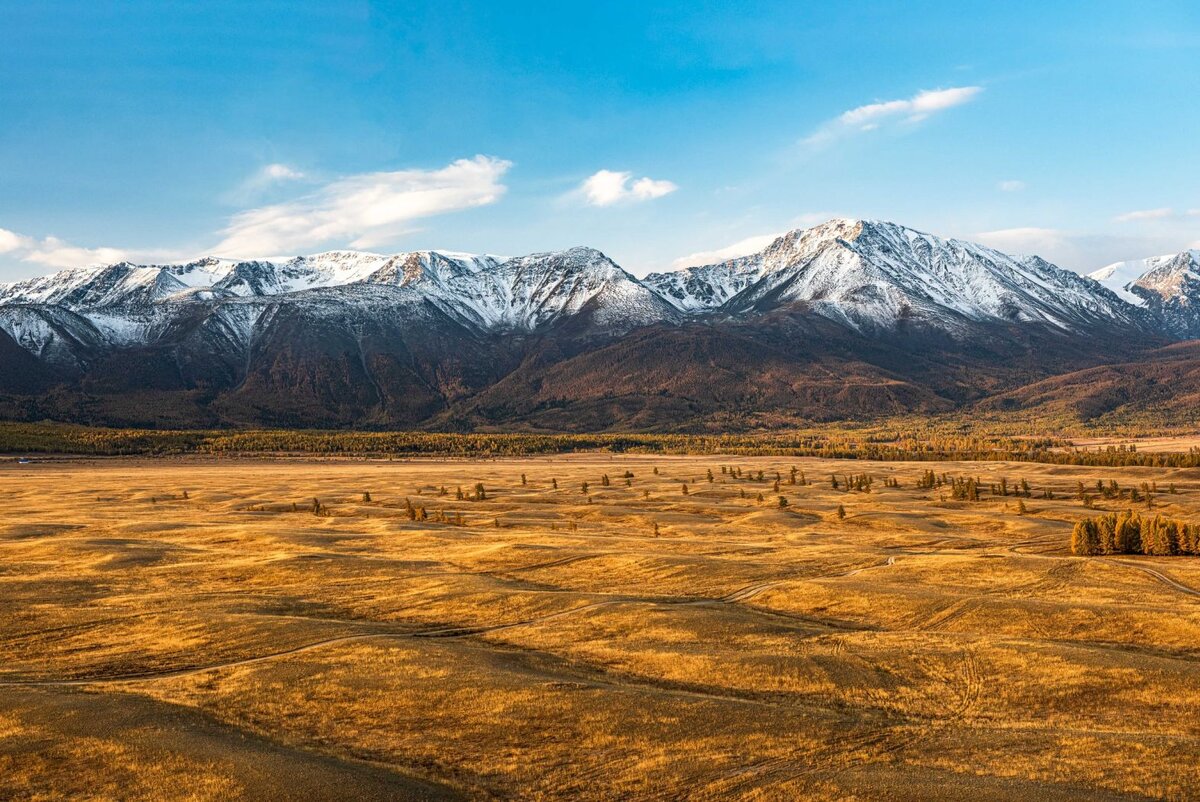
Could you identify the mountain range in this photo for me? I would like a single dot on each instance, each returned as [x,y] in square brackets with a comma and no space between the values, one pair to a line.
[848,319]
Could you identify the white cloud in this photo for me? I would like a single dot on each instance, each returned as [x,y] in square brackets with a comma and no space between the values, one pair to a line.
[873,115]
[1028,240]
[360,210]
[749,245]
[1082,252]
[54,252]
[262,181]
[281,172]
[608,187]
[1164,213]
[11,241]
[743,247]
[366,210]
[1011,185]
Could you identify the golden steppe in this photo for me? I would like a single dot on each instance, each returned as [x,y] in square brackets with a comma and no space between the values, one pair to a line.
[225,645]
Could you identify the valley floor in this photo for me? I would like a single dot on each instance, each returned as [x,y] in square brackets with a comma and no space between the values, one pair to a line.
[633,642]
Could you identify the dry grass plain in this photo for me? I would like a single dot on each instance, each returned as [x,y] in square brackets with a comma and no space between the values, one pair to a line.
[223,646]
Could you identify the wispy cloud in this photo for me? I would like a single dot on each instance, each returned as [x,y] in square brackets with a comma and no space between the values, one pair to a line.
[281,172]
[263,181]
[743,247]
[1026,240]
[362,211]
[56,253]
[749,245]
[1011,185]
[1145,214]
[610,187]
[874,115]
[1164,213]
[1081,251]
[365,210]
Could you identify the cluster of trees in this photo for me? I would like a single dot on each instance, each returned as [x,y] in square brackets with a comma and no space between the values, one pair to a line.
[969,488]
[1112,490]
[418,512]
[965,489]
[881,443]
[1130,533]
[735,472]
[861,482]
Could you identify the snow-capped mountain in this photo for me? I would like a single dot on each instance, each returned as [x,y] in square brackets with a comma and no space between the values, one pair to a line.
[1168,286]
[130,304]
[869,275]
[844,318]
[521,293]
[873,275]
[696,290]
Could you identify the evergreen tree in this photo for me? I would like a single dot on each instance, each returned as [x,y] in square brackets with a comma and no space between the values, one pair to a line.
[1084,539]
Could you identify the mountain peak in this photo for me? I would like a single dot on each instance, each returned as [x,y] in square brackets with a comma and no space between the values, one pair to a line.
[1168,286]
[870,275]
[879,275]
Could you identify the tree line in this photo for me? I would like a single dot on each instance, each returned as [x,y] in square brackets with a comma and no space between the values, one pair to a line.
[55,438]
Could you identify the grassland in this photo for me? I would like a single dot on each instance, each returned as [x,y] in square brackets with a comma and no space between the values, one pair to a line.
[190,629]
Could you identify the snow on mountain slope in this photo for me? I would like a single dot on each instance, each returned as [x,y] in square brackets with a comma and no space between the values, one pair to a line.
[1119,275]
[122,283]
[871,276]
[51,333]
[526,292]
[543,287]
[698,289]
[1162,275]
[516,293]
[131,303]
[874,275]
[1169,286]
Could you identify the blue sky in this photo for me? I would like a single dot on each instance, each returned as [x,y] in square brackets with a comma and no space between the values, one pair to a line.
[661,133]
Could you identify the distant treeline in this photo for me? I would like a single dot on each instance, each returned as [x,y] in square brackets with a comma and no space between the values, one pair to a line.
[877,444]
[1130,533]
